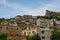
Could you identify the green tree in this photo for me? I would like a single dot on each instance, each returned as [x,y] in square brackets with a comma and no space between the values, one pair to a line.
[34,37]
[45,17]
[55,35]
[1,20]
[3,36]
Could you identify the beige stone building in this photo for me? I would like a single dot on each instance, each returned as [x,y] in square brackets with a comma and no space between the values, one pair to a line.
[52,13]
[26,25]
[43,29]
[29,31]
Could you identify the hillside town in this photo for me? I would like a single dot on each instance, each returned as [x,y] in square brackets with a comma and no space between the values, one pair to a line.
[18,27]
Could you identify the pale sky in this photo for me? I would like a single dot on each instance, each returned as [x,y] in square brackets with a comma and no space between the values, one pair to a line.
[11,8]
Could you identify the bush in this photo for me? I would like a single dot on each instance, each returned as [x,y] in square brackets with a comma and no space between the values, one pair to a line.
[34,37]
[3,36]
[55,35]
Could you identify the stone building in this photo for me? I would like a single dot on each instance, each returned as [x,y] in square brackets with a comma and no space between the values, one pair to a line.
[16,27]
[52,13]
[20,26]
[29,31]
[43,29]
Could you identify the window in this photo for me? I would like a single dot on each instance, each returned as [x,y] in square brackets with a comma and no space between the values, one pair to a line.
[11,35]
[14,39]
[0,27]
[28,33]
[43,37]
[17,35]
[33,32]
[17,28]
[6,27]
[42,27]
[20,35]
[9,39]
[18,23]
[29,28]
[24,33]
[43,32]
[13,22]
[22,29]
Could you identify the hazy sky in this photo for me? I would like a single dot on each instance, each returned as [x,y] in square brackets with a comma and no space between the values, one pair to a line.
[11,8]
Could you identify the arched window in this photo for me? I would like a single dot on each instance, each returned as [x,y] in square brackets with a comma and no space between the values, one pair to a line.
[24,33]
[43,37]
[33,32]
[43,32]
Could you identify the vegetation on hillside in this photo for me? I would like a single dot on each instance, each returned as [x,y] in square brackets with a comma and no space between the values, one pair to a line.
[46,17]
[3,36]
[34,37]
[55,34]
[51,17]
[1,20]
